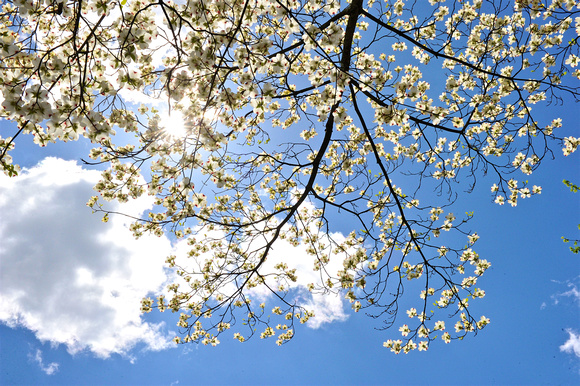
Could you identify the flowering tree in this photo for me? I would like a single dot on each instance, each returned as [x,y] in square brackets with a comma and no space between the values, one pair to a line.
[285,121]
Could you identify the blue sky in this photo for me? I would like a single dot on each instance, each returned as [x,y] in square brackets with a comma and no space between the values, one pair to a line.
[70,288]
[66,278]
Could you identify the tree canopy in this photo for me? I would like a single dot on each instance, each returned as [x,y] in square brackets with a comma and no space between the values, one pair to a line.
[285,122]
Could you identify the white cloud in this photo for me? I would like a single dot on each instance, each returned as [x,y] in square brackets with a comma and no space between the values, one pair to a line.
[573,292]
[67,276]
[138,98]
[76,281]
[572,345]
[327,307]
[49,369]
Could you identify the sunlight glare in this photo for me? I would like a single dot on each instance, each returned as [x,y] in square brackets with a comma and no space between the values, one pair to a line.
[174,124]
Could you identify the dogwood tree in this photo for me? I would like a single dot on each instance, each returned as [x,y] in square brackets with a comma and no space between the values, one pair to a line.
[345,129]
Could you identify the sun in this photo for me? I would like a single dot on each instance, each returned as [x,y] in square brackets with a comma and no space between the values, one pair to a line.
[173,124]
[177,126]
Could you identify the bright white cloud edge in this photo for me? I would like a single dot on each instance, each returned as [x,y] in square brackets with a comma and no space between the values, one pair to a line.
[76,281]
[572,345]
